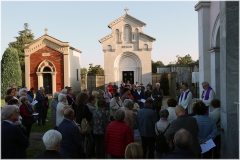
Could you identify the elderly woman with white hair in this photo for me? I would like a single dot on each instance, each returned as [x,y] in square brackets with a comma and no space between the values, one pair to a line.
[95,94]
[14,142]
[62,101]
[130,116]
[51,140]
[54,108]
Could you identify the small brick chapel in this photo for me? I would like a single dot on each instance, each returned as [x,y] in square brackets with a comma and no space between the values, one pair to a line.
[52,64]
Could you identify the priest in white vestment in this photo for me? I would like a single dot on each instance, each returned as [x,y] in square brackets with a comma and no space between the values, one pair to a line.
[208,95]
[185,98]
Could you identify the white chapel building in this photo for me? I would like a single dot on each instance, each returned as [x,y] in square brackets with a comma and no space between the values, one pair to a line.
[127,52]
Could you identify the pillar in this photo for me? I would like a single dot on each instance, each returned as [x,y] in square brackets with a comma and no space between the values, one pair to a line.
[215,70]
[54,82]
[40,79]
[229,78]
[27,72]
[203,8]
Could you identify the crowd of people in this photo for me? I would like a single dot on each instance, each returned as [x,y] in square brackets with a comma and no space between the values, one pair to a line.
[101,124]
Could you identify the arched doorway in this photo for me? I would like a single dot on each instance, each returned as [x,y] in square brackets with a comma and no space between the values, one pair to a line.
[46,73]
[47,80]
[128,67]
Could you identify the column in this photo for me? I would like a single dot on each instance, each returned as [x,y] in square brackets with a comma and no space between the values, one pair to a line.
[203,8]
[27,71]
[120,37]
[54,82]
[140,75]
[215,70]
[229,78]
[40,79]
[66,67]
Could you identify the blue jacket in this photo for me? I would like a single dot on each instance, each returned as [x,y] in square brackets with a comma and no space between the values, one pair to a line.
[71,137]
[146,119]
[29,98]
[207,128]
[14,142]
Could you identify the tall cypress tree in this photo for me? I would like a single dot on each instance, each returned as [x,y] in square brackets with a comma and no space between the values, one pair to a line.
[10,70]
[25,37]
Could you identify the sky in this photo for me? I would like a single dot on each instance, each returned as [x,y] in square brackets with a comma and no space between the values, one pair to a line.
[174,25]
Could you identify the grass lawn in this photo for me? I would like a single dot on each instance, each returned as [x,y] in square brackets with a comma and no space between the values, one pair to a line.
[37,145]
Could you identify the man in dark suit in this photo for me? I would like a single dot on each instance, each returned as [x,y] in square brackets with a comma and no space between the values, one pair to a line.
[71,145]
[14,142]
[52,140]
[190,124]
[138,95]
[41,106]
[157,94]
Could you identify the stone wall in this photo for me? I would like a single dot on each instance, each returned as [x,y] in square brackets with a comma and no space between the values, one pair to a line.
[156,77]
[95,82]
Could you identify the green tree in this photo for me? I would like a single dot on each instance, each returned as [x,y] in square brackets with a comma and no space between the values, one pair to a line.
[25,37]
[84,71]
[10,70]
[95,70]
[187,59]
[164,83]
[155,65]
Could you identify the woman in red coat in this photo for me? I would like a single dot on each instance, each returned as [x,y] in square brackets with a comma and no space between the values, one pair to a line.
[118,136]
[110,87]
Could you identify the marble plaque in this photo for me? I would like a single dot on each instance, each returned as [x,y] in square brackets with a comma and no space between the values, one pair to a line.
[46,54]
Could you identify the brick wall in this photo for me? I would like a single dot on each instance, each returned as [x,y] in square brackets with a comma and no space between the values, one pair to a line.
[56,58]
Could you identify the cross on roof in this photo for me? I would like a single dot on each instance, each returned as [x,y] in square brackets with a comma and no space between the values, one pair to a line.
[46,30]
[126,9]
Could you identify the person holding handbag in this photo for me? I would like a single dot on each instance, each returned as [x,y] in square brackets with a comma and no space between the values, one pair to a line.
[83,113]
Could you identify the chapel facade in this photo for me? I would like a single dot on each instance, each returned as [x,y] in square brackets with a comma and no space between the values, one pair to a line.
[127,52]
[52,64]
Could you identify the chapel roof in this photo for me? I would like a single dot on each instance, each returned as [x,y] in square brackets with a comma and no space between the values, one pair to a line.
[129,17]
[144,35]
[50,38]
[106,38]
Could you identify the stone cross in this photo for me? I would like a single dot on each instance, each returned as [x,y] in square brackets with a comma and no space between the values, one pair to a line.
[126,9]
[46,30]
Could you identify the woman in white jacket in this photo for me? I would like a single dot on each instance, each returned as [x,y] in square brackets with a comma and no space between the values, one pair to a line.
[62,101]
[115,104]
